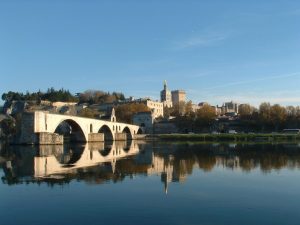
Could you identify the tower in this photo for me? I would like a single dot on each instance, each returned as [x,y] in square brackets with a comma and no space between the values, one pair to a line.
[166,96]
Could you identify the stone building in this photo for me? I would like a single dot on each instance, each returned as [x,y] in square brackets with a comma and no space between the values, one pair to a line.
[195,107]
[166,96]
[156,107]
[144,120]
[230,107]
[178,96]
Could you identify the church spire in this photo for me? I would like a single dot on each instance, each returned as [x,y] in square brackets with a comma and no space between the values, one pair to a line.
[165,85]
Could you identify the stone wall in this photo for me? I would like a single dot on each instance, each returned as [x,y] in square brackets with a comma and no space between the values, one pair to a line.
[165,128]
[27,135]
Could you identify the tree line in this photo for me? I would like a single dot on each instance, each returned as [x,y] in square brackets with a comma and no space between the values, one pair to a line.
[63,95]
[187,119]
[100,97]
[51,94]
[269,117]
[265,118]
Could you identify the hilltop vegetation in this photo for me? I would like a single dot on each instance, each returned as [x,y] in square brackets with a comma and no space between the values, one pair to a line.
[63,95]
[99,97]
[51,95]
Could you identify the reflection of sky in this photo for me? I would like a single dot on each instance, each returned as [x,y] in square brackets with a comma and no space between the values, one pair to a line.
[221,196]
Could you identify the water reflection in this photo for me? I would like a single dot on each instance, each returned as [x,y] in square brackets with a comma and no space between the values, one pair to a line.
[96,163]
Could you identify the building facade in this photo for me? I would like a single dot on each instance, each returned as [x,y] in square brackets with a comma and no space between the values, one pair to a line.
[230,107]
[144,120]
[156,107]
[178,96]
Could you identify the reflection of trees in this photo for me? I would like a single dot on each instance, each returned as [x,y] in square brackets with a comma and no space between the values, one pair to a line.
[179,160]
[246,157]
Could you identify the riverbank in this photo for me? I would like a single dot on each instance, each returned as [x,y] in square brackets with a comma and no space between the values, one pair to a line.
[227,137]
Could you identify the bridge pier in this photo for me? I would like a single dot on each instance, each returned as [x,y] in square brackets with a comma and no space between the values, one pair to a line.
[120,137]
[96,137]
[44,138]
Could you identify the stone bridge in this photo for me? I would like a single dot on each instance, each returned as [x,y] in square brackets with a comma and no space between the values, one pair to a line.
[41,127]
[54,160]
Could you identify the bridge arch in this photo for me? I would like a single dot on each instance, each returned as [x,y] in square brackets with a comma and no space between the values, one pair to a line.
[70,155]
[128,133]
[71,131]
[108,134]
[140,131]
[106,151]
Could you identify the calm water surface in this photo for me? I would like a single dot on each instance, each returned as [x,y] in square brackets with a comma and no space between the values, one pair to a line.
[151,183]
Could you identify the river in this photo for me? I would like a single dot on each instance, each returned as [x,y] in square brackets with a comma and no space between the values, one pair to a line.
[151,183]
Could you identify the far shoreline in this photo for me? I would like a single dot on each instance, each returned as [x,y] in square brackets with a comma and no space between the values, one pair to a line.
[265,137]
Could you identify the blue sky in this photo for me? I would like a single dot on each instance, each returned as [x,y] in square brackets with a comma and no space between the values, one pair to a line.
[247,51]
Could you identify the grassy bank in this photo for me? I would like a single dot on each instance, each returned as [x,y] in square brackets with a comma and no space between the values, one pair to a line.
[228,137]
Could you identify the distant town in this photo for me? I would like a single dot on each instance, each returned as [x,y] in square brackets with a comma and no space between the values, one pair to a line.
[173,113]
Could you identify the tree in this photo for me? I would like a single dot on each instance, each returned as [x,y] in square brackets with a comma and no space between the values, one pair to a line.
[278,116]
[51,95]
[264,114]
[205,115]
[90,113]
[124,113]
[99,97]
[8,126]
[167,112]
[178,109]
[188,109]
[4,97]
[245,111]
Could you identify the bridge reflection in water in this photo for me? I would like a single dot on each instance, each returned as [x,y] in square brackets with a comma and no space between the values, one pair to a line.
[61,159]
[96,163]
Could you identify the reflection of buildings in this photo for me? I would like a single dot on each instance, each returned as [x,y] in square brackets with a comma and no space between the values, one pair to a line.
[97,163]
[165,168]
[232,162]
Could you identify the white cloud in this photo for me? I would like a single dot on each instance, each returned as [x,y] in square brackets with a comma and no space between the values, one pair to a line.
[199,41]
[282,76]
